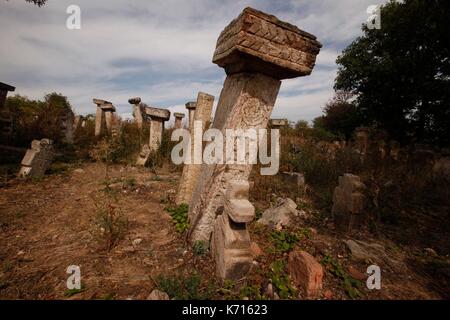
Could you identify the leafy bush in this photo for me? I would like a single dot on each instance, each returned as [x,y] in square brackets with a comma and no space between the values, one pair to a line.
[180,217]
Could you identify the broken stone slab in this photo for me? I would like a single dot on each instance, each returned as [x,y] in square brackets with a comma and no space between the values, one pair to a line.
[37,159]
[348,202]
[306,272]
[281,215]
[256,50]
[178,120]
[191,106]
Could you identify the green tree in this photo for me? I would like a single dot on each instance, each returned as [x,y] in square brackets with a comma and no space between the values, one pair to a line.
[341,116]
[400,73]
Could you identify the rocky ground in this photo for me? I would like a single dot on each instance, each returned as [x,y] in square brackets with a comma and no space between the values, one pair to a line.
[52,223]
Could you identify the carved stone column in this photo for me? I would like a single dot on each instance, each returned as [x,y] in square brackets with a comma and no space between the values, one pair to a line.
[191,172]
[178,120]
[191,110]
[103,117]
[256,50]
[157,119]
[138,110]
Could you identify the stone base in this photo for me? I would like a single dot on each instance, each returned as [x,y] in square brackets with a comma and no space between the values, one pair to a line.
[231,249]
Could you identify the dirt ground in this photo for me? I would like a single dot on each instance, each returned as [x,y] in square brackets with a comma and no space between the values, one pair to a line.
[49,224]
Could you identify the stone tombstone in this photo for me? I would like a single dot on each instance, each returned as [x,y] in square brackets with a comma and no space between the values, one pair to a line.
[191,172]
[178,120]
[138,110]
[157,118]
[231,245]
[6,121]
[191,112]
[257,51]
[37,159]
[348,202]
[278,123]
[103,117]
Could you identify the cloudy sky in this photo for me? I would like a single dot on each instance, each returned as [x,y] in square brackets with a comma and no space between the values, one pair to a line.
[160,50]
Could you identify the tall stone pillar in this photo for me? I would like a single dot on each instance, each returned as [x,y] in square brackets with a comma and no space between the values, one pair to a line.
[103,117]
[191,172]
[191,110]
[157,119]
[138,110]
[6,121]
[256,50]
[178,120]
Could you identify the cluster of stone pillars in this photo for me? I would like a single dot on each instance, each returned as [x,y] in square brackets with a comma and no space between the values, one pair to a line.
[103,117]
[257,51]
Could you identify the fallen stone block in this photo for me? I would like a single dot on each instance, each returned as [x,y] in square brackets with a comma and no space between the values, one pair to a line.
[281,215]
[306,272]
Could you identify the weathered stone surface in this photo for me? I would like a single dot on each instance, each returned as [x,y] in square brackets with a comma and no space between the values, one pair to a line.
[178,120]
[157,113]
[281,215]
[192,172]
[144,155]
[277,123]
[37,159]
[231,249]
[306,272]
[258,42]
[256,50]
[158,295]
[237,206]
[348,202]
[103,117]
[441,168]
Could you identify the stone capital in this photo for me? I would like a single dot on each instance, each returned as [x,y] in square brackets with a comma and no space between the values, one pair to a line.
[259,42]
[279,122]
[191,105]
[178,115]
[135,100]
[157,113]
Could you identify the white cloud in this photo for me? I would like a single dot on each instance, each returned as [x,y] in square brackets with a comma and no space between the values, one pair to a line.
[160,50]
